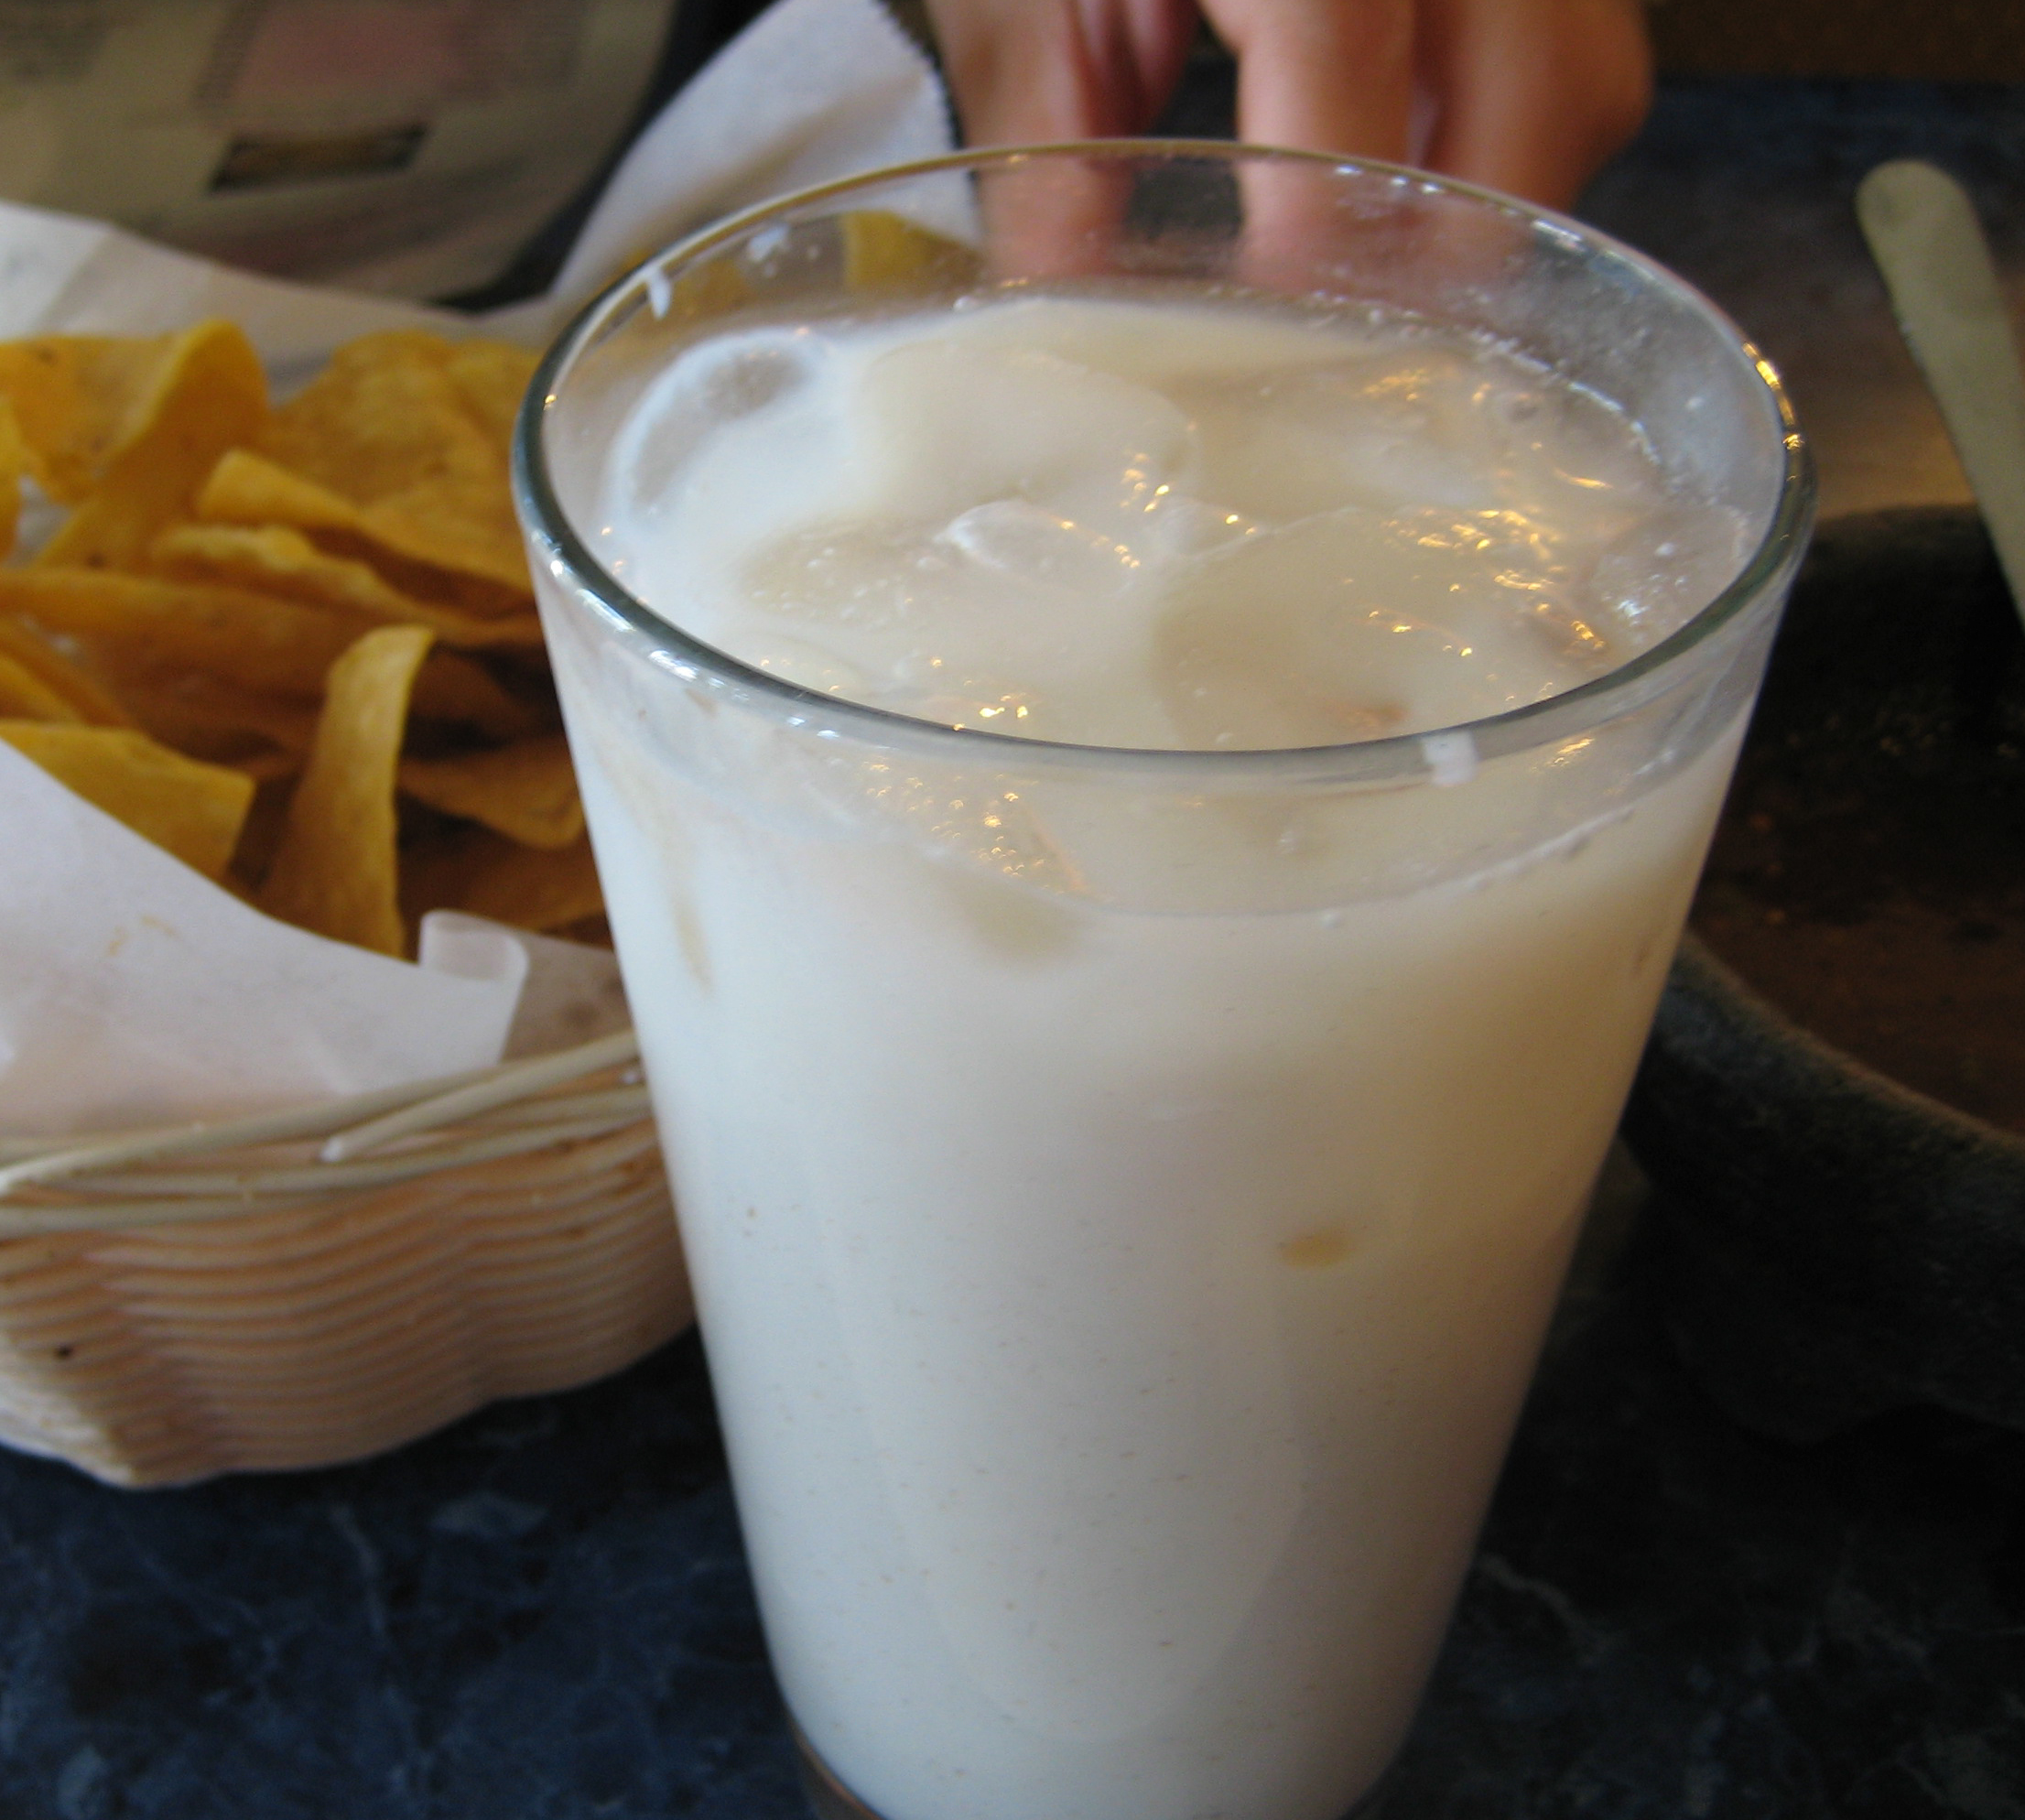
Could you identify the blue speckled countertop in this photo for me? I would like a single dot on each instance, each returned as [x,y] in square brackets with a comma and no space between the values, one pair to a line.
[543,1613]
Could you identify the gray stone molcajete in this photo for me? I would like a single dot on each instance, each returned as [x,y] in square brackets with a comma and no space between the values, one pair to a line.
[1835,1245]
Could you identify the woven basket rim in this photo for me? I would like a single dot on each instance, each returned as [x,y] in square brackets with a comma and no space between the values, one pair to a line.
[360,1142]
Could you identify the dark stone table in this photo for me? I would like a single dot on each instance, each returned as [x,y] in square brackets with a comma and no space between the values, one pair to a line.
[543,1613]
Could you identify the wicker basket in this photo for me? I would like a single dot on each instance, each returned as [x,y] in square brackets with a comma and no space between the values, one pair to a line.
[315,1285]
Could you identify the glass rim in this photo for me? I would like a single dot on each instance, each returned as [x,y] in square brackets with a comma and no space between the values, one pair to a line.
[1396,756]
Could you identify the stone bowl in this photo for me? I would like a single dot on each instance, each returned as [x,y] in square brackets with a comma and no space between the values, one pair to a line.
[1834,1243]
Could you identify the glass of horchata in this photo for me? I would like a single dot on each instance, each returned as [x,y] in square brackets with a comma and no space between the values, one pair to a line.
[1149,713]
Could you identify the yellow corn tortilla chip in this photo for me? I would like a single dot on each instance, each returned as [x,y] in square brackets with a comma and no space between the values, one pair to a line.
[191,809]
[261,734]
[466,593]
[280,559]
[88,700]
[14,463]
[209,394]
[535,888]
[526,791]
[138,628]
[250,490]
[131,623]
[487,875]
[386,428]
[454,689]
[267,821]
[718,286]
[492,378]
[334,872]
[885,252]
[24,696]
[76,397]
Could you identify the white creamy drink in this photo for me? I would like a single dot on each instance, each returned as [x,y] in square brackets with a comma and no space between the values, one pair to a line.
[1123,1230]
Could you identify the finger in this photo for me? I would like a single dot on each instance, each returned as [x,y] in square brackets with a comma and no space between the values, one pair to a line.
[1531,97]
[1039,71]
[1053,217]
[1321,75]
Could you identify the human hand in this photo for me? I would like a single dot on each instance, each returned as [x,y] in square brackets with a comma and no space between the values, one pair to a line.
[1528,96]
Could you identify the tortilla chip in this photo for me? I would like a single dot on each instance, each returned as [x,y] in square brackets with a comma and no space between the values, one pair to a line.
[76,398]
[529,887]
[248,488]
[191,809]
[24,696]
[260,839]
[335,869]
[14,463]
[210,394]
[261,734]
[492,378]
[454,689]
[715,287]
[278,559]
[139,629]
[886,251]
[86,697]
[132,624]
[386,428]
[526,791]
[443,586]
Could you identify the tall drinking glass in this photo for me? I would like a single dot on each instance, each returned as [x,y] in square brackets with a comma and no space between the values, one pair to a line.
[1126,1178]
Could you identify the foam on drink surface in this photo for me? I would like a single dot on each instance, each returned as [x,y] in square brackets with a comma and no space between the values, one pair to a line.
[1092,520]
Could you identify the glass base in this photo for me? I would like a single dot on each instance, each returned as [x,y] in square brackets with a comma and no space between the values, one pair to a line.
[829,1798]
[832,1801]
